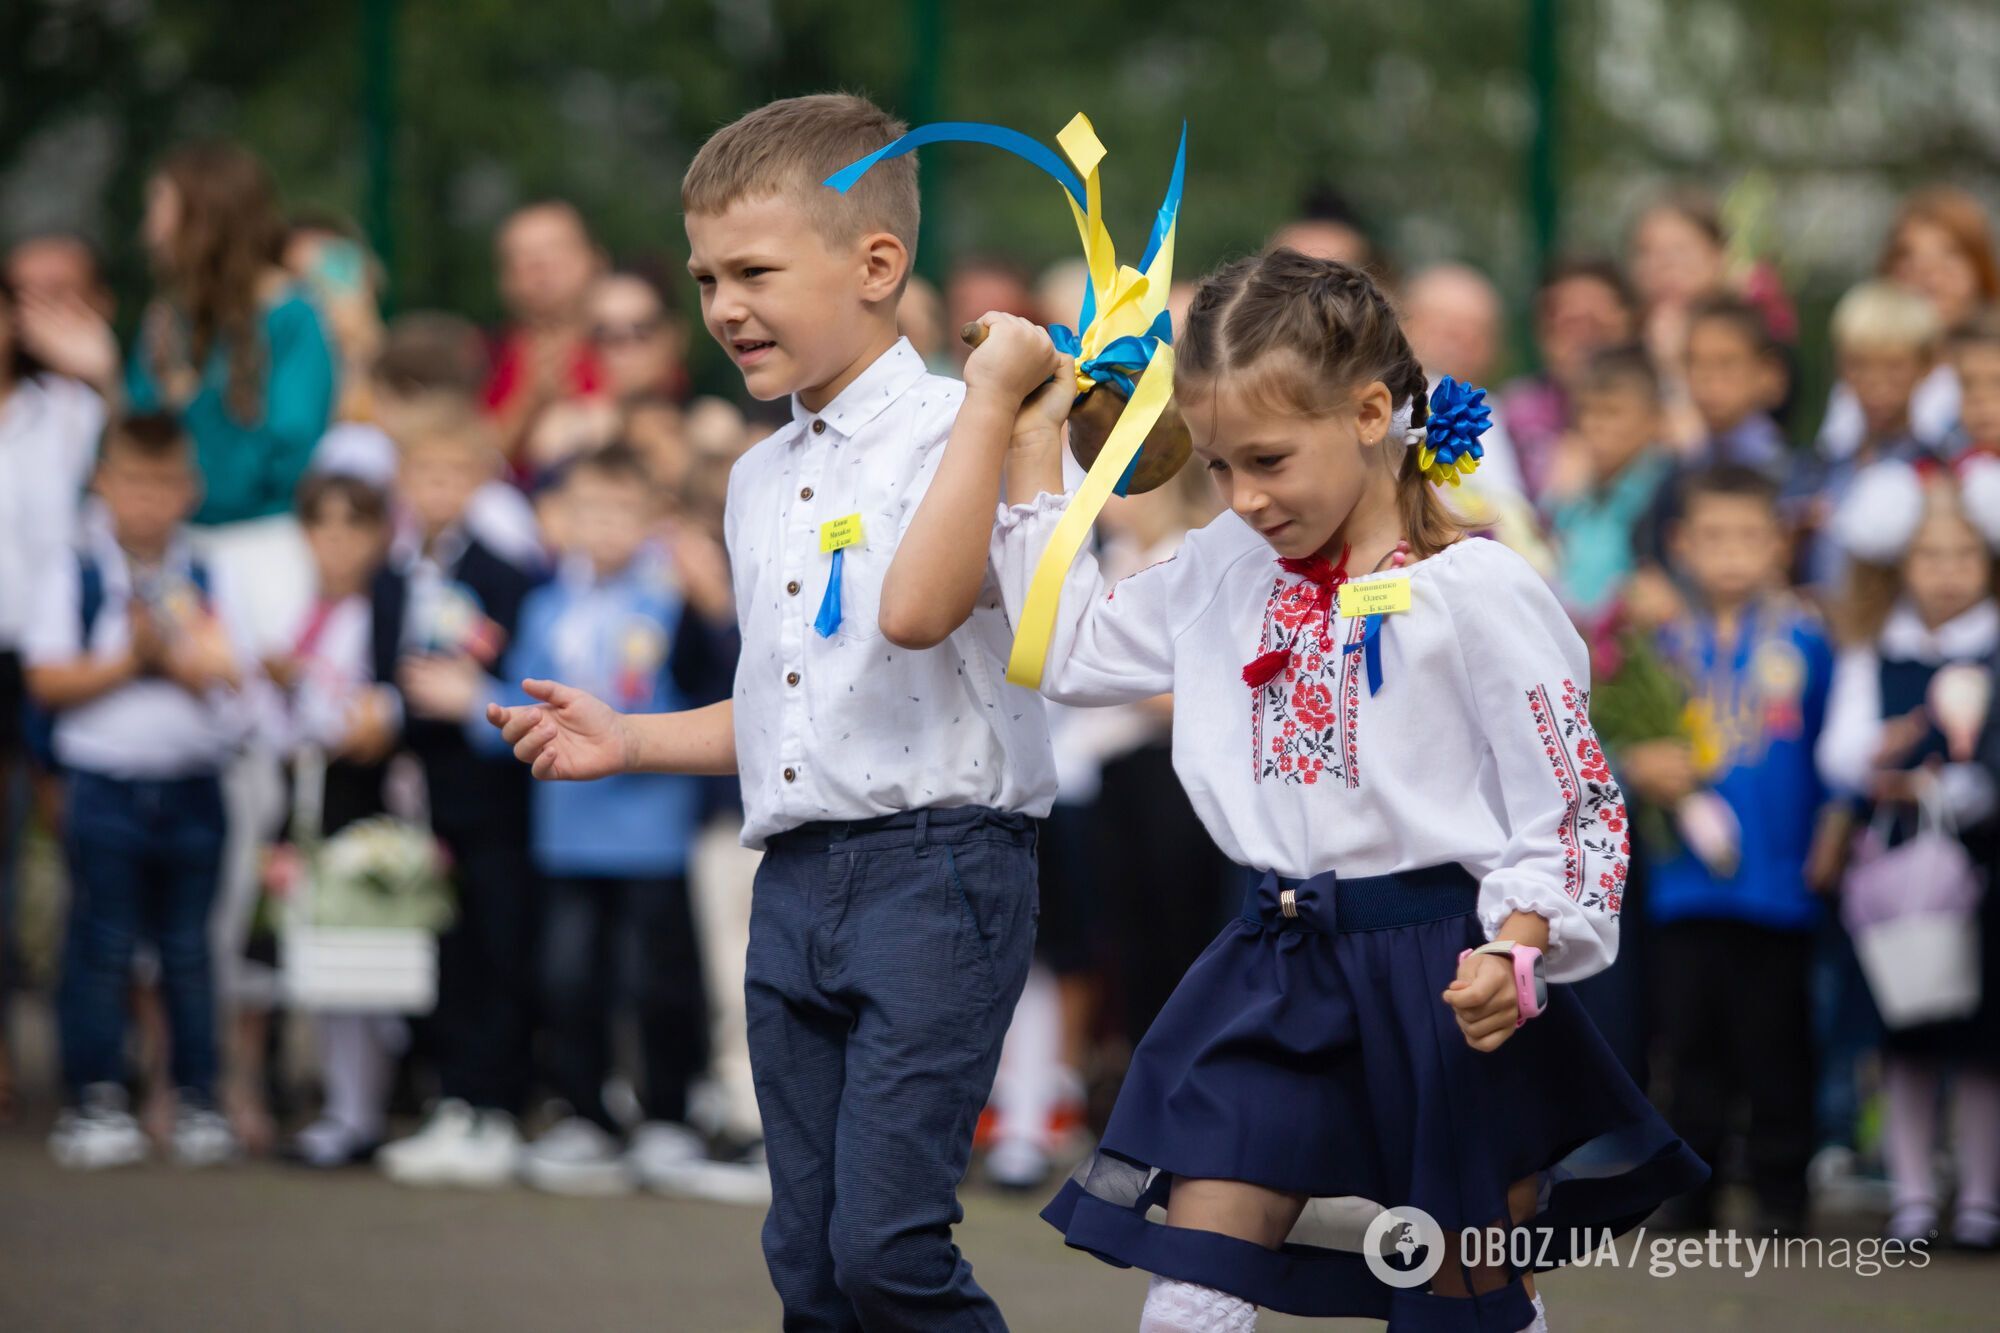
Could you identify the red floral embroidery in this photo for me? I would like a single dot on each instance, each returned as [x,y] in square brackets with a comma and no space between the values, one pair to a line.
[1594,825]
[1304,722]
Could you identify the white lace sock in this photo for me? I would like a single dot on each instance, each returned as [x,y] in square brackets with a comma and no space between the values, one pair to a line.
[1541,1324]
[1183,1307]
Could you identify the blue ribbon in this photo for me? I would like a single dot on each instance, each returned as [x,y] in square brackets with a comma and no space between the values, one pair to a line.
[966,131]
[828,619]
[1370,647]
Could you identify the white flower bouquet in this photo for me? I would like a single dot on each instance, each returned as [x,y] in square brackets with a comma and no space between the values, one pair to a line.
[381,874]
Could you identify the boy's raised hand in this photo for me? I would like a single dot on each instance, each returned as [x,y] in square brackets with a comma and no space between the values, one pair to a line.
[1013,359]
[569,736]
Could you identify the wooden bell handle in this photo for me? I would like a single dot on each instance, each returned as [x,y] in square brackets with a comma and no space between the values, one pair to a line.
[973,333]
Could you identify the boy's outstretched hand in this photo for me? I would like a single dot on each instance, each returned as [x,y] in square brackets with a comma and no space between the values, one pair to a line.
[569,736]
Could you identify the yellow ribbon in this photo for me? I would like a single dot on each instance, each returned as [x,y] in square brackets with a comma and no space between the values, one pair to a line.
[1126,302]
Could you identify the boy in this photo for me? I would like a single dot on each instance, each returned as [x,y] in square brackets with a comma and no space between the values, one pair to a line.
[892,788]
[612,858]
[1975,358]
[1602,530]
[132,648]
[444,594]
[1885,341]
[1734,950]
[1735,376]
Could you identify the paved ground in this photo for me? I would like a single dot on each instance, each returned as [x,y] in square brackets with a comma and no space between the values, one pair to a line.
[266,1247]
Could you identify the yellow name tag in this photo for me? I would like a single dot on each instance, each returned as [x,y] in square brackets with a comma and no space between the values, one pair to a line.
[839,533]
[1377,597]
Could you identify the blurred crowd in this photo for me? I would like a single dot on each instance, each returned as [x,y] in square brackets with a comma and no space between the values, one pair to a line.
[265,562]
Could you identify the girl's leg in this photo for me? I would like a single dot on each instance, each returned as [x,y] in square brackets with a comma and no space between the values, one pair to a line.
[1233,1208]
[1910,1140]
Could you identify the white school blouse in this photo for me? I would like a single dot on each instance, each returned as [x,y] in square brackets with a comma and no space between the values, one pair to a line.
[849,726]
[1478,750]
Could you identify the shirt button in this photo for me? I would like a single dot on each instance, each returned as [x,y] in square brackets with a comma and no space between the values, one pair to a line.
[792,588]
[819,428]
[791,775]
[806,493]
[791,678]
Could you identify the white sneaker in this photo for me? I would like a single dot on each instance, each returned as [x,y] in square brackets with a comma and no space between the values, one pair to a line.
[1017,1164]
[576,1157]
[662,1152]
[201,1136]
[98,1132]
[744,1179]
[456,1146]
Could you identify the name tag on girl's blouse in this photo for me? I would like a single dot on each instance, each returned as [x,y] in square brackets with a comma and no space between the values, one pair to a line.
[839,534]
[1377,597]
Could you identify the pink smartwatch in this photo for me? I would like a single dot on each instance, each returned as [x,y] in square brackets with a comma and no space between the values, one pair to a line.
[1531,989]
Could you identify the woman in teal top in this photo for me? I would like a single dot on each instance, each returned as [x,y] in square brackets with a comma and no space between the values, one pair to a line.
[230,343]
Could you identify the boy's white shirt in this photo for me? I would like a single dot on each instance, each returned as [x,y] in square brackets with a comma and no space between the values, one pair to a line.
[149,728]
[869,729]
[1450,761]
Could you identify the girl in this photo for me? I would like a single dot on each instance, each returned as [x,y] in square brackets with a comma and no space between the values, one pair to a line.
[1400,789]
[329,705]
[1921,595]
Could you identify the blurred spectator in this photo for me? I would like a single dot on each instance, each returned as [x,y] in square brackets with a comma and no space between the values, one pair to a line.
[1582,307]
[60,267]
[1736,375]
[920,318]
[1756,666]
[547,265]
[446,599]
[1059,293]
[1453,319]
[640,337]
[327,254]
[325,714]
[1975,360]
[1328,228]
[1886,340]
[1678,256]
[1601,528]
[1941,246]
[978,284]
[138,651]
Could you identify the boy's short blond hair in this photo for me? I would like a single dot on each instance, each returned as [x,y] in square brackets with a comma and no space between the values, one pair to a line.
[1885,316]
[790,147]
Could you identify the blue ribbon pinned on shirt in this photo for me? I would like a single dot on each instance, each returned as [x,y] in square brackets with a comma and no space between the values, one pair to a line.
[828,619]
[1369,645]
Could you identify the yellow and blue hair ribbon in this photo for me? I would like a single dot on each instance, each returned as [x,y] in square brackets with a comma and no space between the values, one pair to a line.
[1124,339]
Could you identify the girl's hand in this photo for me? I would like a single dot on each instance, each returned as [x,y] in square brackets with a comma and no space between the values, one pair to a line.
[1013,359]
[569,736]
[71,339]
[1483,1000]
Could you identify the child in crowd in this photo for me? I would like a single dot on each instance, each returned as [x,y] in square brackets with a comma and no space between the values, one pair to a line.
[330,713]
[1735,376]
[613,858]
[1886,339]
[445,594]
[139,652]
[1603,530]
[1581,307]
[1734,934]
[1921,597]
[1410,849]
[1975,357]
[890,775]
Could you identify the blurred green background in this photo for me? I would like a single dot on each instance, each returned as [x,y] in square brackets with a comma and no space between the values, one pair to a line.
[1487,130]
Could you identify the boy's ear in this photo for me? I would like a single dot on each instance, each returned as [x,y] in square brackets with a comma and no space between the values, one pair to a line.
[885,263]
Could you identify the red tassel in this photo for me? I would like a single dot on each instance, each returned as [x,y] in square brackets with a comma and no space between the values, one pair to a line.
[1264,668]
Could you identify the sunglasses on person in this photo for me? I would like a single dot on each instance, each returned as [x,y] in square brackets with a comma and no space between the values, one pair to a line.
[619,335]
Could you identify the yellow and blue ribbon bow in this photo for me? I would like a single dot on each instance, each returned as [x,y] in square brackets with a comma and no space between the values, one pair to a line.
[1125,339]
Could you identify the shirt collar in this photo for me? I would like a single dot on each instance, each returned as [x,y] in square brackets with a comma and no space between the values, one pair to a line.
[885,380]
[115,567]
[1971,634]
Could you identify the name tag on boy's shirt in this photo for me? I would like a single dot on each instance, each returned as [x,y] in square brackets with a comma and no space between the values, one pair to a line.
[1377,597]
[840,533]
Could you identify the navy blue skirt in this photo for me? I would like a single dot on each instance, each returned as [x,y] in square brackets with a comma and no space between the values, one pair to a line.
[1313,1055]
